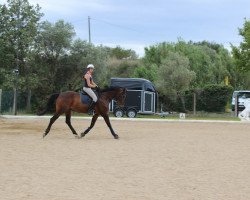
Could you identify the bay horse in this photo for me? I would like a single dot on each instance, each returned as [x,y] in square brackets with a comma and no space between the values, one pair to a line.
[70,101]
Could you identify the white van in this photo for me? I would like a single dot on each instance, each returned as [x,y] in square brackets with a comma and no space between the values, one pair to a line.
[242,96]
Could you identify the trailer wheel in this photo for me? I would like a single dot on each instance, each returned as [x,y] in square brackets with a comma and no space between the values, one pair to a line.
[131,113]
[118,113]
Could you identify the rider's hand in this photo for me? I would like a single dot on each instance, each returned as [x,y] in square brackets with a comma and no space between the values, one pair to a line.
[97,88]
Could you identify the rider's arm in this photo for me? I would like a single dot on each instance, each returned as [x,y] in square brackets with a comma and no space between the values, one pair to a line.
[91,84]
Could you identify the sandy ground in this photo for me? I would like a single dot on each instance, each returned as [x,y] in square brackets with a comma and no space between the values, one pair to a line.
[150,161]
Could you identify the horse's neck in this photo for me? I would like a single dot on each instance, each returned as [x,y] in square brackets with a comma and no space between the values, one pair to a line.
[108,96]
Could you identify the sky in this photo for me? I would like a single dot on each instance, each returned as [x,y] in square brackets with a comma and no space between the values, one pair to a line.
[135,25]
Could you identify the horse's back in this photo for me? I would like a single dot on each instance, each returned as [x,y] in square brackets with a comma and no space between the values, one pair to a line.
[68,95]
[70,100]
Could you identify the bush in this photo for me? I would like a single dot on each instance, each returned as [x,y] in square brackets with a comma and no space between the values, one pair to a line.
[214,98]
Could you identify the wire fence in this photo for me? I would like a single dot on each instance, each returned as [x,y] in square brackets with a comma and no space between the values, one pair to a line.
[7,101]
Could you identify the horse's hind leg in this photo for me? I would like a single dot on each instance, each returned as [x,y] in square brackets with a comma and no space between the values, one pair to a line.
[52,120]
[68,122]
[93,121]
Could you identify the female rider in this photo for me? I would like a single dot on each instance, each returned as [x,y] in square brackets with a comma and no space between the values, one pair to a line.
[89,84]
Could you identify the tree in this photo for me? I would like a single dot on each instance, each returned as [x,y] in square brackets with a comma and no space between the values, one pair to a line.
[211,62]
[147,72]
[174,76]
[122,68]
[53,44]
[241,56]
[121,53]
[18,28]
[82,53]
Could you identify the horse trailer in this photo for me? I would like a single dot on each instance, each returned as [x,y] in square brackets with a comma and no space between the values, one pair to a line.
[141,97]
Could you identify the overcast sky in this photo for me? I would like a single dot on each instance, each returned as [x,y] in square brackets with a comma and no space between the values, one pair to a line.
[138,24]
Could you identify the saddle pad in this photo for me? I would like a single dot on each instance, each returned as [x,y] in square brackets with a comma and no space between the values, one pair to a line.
[85,99]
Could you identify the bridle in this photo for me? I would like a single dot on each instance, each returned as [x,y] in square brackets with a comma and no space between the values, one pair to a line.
[120,97]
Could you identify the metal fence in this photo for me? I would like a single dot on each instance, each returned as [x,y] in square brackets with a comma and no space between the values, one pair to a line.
[7,99]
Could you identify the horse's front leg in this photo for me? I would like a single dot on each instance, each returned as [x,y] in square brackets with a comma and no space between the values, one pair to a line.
[94,118]
[106,118]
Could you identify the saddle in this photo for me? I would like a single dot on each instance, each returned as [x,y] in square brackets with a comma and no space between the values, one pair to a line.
[85,98]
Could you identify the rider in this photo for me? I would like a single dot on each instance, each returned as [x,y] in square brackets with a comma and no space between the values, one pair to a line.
[89,85]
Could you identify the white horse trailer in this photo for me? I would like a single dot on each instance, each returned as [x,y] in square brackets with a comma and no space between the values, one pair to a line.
[141,97]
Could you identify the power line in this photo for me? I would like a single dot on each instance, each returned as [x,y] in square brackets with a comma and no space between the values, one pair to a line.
[106,22]
[116,25]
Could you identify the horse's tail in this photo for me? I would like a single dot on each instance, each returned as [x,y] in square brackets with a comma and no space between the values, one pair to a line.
[50,104]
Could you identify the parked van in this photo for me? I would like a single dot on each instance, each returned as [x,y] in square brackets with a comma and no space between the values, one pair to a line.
[242,96]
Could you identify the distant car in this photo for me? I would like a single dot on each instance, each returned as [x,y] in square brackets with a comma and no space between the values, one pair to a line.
[242,96]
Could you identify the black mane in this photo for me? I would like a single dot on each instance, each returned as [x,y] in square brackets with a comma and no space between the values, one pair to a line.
[108,89]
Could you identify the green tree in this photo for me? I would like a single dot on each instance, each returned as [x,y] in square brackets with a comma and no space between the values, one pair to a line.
[241,56]
[82,54]
[121,53]
[18,28]
[147,72]
[174,77]
[122,68]
[211,62]
[53,44]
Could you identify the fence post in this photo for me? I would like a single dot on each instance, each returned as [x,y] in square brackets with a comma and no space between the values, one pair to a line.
[236,106]
[28,106]
[15,102]
[1,91]
[194,106]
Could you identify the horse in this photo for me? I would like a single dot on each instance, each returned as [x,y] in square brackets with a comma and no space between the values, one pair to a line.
[69,101]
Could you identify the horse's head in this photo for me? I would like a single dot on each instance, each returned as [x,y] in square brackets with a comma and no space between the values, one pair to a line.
[120,96]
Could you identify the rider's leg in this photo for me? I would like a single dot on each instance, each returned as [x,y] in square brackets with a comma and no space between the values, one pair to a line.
[93,96]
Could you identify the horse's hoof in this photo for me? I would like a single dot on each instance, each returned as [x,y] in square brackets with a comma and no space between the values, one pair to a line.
[77,137]
[116,137]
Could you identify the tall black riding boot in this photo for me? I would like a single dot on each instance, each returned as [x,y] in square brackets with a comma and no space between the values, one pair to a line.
[91,106]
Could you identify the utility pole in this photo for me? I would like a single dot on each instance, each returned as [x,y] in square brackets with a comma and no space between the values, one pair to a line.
[89,29]
[16,70]
[16,73]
